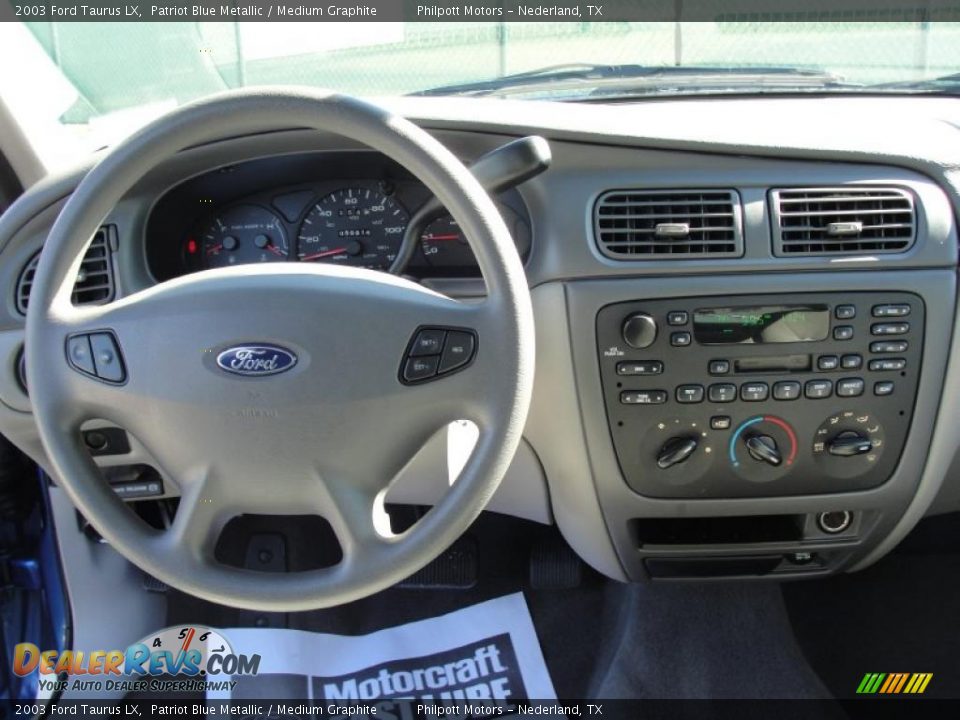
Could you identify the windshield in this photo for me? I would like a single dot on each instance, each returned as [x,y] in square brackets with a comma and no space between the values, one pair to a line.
[84,85]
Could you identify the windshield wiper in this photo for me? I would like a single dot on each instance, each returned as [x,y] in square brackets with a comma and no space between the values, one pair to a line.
[946,84]
[587,81]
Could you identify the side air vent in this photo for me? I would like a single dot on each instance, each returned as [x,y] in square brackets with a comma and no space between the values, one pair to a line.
[838,221]
[94,280]
[668,224]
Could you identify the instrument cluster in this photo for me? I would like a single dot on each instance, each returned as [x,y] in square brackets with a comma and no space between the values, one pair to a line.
[222,219]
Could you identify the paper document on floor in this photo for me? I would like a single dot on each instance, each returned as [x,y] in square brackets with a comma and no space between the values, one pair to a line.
[486,651]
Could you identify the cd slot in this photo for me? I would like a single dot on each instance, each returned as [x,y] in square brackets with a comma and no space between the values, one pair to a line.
[773,364]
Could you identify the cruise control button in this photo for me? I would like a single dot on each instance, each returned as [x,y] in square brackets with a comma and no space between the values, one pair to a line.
[818,389]
[643,397]
[79,354]
[754,391]
[845,312]
[887,364]
[719,367]
[850,387]
[891,310]
[889,346]
[843,332]
[720,422]
[828,362]
[680,339]
[851,362]
[457,350]
[428,342]
[722,393]
[420,368]
[690,393]
[786,390]
[883,388]
[642,367]
[900,328]
[677,317]
[106,357]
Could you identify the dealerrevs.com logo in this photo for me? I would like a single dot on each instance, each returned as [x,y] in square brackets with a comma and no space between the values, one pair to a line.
[187,653]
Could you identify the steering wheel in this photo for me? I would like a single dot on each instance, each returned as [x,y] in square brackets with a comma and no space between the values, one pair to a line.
[284,388]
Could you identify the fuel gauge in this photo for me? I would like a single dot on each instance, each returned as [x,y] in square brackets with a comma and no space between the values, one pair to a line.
[241,235]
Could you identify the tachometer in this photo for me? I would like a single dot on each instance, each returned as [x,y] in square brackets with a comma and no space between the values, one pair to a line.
[353,226]
[445,245]
[243,234]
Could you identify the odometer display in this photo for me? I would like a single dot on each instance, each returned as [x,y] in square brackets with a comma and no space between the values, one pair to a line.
[353,226]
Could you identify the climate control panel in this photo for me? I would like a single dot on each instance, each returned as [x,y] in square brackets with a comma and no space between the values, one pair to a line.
[760,395]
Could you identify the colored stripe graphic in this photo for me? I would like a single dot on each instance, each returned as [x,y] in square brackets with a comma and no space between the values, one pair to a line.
[894,683]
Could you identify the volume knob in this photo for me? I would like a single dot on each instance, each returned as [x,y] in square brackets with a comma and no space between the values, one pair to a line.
[639,330]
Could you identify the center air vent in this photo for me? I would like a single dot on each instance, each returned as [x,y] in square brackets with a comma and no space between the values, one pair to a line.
[94,280]
[668,224]
[828,221]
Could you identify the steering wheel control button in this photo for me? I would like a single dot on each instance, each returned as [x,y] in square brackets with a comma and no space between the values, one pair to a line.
[845,312]
[843,332]
[80,355]
[850,387]
[719,367]
[639,331]
[421,368]
[690,394]
[457,351]
[754,391]
[106,358]
[882,389]
[428,342]
[643,367]
[436,351]
[888,311]
[643,397]
[722,393]
[818,389]
[896,328]
[786,390]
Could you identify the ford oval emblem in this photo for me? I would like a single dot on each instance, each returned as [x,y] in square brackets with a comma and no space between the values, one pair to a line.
[256,360]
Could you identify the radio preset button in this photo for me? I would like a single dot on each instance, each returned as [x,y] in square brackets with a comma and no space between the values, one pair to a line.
[891,310]
[719,367]
[900,328]
[818,389]
[843,332]
[720,422]
[643,397]
[680,339]
[883,388]
[678,317]
[828,362]
[889,346]
[642,367]
[722,393]
[887,364]
[850,387]
[754,391]
[786,390]
[851,362]
[845,312]
[689,394]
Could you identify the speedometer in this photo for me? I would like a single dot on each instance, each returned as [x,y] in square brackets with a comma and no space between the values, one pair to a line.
[353,226]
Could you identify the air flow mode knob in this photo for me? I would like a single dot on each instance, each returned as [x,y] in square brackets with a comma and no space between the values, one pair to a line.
[639,330]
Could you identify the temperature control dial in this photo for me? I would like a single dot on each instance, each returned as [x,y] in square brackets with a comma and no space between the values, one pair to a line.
[848,443]
[762,448]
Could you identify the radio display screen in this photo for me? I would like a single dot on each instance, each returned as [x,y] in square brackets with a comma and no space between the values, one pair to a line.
[761,325]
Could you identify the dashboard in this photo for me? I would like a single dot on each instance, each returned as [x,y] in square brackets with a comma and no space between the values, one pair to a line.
[339,208]
[745,311]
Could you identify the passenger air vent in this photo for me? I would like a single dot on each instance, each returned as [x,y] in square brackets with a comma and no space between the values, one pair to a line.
[829,221]
[668,224]
[94,280]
